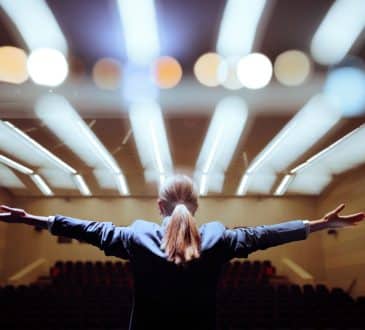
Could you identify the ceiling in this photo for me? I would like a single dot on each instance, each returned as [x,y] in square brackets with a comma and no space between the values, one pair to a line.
[187,29]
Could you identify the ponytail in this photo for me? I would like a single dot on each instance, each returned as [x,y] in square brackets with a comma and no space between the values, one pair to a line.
[181,241]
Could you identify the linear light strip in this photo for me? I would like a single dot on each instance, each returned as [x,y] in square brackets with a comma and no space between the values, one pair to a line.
[35,23]
[338,31]
[238,27]
[42,185]
[12,163]
[36,145]
[284,184]
[81,184]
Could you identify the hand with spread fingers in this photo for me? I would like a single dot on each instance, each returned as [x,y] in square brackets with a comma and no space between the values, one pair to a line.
[12,215]
[334,220]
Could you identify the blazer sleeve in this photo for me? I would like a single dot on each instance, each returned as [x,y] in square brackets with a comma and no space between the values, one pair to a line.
[240,242]
[113,240]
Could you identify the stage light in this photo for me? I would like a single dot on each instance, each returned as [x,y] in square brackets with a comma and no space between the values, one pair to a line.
[13,65]
[346,87]
[206,69]
[106,73]
[338,31]
[167,72]
[292,67]
[47,67]
[254,71]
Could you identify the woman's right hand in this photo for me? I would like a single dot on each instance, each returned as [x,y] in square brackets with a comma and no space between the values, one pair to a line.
[13,215]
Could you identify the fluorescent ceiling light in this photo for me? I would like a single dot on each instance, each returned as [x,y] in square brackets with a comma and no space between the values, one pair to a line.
[17,143]
[8,179]
[151,139]
[283,186]
[338,31]
[84,189]
[42,185]
[319,114]
[243,186]
[12,163]
[341,156]
[220,143]
[64,119]
[140,30]
[36,24]
[238,27]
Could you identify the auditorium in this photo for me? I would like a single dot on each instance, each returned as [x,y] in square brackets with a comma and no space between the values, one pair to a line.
[182,164]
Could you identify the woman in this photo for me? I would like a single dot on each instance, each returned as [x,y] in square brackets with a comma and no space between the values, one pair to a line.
[176,265]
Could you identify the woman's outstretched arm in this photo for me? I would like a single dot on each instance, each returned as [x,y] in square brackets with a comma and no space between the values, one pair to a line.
[14,215]
[106,236]
[242,241]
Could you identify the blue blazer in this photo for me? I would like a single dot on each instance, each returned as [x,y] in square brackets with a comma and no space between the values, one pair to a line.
[167,296]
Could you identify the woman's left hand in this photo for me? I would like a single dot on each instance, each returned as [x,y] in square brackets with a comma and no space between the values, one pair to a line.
[334,220]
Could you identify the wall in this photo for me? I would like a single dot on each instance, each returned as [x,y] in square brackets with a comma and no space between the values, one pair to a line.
[26,245]
[5,198]
[344,255]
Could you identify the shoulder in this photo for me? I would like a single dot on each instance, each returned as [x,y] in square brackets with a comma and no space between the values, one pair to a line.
[212,233]
[142,225]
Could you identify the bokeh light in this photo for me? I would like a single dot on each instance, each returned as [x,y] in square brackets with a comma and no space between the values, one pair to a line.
[106,73]
[292,67]
[13,65]
[206,69]
[346,87]
[47,67]
[254,70]
[167,72]
[227,73]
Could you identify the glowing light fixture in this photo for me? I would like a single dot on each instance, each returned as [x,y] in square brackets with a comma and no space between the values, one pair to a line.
[36,24]
[312,176]
[254,71]
[64,119]
[320,114]
[239,26]
[338,31]
[42,185]
[220,143]
[15,165]
[140,30]
[151,139]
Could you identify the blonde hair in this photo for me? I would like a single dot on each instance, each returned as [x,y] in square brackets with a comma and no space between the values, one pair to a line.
[181,241]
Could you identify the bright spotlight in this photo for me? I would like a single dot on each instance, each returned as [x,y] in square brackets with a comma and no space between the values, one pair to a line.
[254,71]
[47,67]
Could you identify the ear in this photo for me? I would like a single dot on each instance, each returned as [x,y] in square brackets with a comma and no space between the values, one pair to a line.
[161,206]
